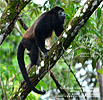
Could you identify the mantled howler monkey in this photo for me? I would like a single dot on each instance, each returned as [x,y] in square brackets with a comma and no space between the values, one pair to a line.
[35,36]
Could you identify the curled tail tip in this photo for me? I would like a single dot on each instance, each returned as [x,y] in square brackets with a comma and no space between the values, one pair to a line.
[40,92]
[43,92]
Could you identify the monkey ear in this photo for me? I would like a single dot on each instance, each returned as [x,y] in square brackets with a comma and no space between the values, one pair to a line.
[55,9]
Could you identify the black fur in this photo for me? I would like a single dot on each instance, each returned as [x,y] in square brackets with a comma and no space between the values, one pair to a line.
[34,38]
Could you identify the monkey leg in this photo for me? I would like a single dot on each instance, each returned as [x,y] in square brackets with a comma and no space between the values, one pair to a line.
[34,53]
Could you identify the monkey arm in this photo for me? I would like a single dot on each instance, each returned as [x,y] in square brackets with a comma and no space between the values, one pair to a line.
[58,30]
[40,40]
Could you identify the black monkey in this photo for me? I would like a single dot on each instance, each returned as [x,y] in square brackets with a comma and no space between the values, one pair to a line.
[35,36]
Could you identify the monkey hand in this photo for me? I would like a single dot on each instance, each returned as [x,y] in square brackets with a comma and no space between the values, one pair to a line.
[46,55]
[38,62]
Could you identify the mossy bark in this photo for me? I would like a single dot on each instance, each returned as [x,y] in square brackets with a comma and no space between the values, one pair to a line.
[9,17]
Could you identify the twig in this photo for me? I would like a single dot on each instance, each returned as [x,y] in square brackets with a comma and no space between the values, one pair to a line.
[3,91]
[29,11]
[100,79]
[74,76]
[25,27]
[18,29]
[62,90]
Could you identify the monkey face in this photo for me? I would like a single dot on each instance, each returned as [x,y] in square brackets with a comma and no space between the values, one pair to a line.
[61,14]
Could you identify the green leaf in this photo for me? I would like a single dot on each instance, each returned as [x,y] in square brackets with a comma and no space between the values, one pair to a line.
[100,71]
[2,68]
[99,13]
[6,74]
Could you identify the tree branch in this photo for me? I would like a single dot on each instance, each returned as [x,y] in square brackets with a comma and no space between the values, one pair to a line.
[10,16]
[74,76]
[22,24]
[62,90]
[100,80]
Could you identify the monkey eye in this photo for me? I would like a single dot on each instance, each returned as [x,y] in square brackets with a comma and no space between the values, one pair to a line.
[60,12]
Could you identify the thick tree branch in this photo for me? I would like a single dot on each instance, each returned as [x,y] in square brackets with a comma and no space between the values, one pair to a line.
[59,47]
[10,16]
